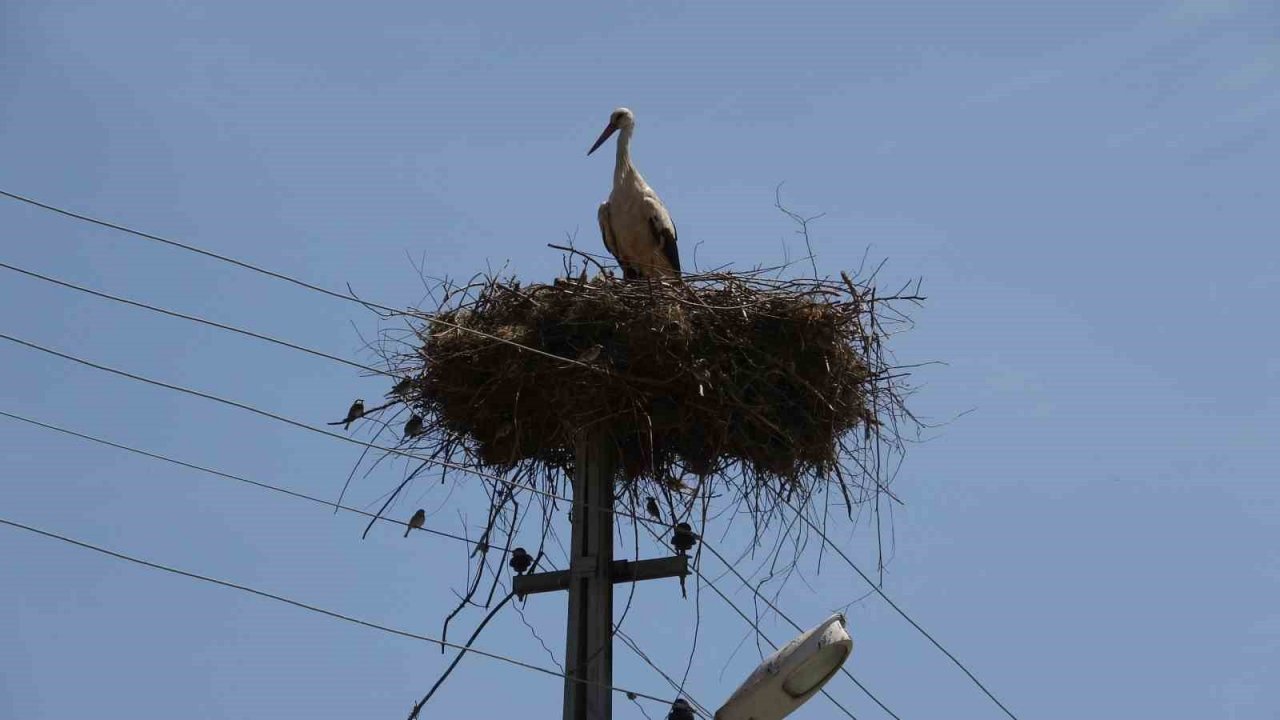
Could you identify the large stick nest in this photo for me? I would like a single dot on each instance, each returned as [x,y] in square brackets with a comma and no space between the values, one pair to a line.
[780,380]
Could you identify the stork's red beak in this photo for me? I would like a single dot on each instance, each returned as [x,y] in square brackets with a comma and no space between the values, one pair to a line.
[609,129]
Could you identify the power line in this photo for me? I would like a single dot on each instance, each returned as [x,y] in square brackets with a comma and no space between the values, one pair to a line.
[304,426]
[193,318]
[295,423]
[227,475]
[784,616]
[258,336]
[635,648]
[899,610]
[191,248]
[756,626]
[274,416]
[868,580]
[242,406]
[266,486]
[631,644]
[319,610]
[463,468]
[295,281]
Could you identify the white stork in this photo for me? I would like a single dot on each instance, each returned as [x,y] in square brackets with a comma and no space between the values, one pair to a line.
[635,225]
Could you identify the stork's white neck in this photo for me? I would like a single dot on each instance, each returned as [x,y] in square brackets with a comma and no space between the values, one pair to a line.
[623,164]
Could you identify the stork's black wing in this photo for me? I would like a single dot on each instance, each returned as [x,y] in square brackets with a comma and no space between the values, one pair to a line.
[666,238]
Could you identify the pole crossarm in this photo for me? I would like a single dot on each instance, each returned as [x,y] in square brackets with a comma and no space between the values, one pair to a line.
[622,571]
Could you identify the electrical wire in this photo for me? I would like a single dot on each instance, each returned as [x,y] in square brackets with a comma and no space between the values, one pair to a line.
[756,627]
[227,475]
[843,670]
[295,281]
[351,440]
[345,438]
[319,610]
[193,318]
[266,486]
[190,248]
[898,609]
[298,424]
[463,468]
[276,417]
[631,645]
[644,657]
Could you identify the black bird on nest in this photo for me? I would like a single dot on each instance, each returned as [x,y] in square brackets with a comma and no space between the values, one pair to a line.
[684,538]
[521,561]
[401,387]
[413,428]
[680,710]
[354,413]
[651,507]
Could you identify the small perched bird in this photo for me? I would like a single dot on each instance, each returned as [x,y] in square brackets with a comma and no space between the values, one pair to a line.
[413,428]
[354,413]
[416,521]
[401,387]
[651,507]
[634,224]
[521,561]
[683,539]
[591,354]
[680,710]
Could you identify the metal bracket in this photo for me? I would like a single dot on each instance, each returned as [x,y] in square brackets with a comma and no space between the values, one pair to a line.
[622,571]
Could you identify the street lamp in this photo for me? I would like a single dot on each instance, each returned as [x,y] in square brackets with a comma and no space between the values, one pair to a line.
[792,675]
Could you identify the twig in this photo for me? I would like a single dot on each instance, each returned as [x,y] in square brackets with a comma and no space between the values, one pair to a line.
[417,708]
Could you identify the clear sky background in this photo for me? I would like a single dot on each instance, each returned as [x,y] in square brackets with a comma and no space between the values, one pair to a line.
[1087,190]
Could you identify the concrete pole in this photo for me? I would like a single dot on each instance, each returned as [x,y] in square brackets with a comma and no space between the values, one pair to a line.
[589,647]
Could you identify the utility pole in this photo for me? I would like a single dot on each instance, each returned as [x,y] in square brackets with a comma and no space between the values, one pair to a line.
[590,579]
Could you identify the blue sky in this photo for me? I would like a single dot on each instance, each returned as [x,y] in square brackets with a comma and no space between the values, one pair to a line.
[1086,189]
